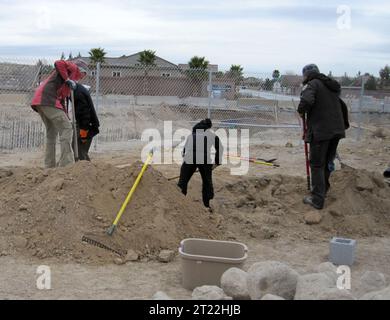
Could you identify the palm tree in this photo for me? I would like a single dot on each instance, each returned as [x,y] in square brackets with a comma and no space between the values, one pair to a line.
[276,75]
[199,63]
[236,72]
[197,72]
[97,55]
[147,59]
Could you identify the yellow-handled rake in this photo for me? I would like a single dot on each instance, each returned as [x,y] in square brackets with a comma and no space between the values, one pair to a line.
[101,240]
[111,230]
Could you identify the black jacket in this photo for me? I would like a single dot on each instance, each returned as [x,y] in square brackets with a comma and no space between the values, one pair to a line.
[320,99]
[197,149]
[85,111]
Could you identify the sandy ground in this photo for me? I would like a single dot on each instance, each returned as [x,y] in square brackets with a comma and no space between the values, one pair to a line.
[140,280]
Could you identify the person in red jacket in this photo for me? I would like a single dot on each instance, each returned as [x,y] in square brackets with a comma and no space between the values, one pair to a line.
[50,102]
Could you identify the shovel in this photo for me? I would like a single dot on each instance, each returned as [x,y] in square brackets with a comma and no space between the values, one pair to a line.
[75,133]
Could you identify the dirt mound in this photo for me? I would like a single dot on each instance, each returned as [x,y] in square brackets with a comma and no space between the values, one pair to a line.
[357,205]
[44,213]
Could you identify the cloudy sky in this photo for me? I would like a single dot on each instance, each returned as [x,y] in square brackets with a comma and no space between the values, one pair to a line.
[342,36]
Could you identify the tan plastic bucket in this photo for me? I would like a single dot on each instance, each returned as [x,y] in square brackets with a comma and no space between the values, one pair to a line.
[204,261]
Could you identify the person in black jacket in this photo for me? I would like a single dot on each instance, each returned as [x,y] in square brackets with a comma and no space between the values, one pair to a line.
[197,155]
[326,124]
[87,120]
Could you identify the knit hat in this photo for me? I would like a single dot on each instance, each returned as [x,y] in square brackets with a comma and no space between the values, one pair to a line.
[207,122]
[310,68]
[82,65]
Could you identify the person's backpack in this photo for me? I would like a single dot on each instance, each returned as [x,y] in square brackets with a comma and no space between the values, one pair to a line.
[344,110]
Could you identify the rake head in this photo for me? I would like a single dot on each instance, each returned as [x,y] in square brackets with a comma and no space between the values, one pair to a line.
[104,242]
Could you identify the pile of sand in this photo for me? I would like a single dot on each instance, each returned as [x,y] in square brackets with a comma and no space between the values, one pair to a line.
[44,213]
[358,205]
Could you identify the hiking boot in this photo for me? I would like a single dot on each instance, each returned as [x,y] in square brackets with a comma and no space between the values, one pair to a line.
[309,200]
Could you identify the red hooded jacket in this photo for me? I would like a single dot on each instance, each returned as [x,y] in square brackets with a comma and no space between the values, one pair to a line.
[53,91]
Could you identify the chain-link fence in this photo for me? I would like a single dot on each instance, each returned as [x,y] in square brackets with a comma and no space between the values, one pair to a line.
[130,98]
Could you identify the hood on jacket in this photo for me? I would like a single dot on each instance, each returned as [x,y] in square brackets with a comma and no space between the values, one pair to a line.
[330,83]
[202,125]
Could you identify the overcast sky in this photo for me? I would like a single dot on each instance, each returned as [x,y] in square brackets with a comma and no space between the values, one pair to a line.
[259,35]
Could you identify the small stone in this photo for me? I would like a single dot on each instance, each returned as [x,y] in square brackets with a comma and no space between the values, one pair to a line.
[289,145]
[20,242]
[312,218]
[58,184]
[131,256]
[363,182]
[23,207]
[335,213]
[166,256]
[119,261]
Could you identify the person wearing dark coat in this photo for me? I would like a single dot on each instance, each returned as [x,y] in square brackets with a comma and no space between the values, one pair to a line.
[197,155]
[86,119]
[327,121]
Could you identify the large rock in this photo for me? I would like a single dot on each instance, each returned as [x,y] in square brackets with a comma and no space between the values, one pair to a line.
[371,281]
[335,294]
[209,293]
[160,295]
[329,269]
[271,297]
[377,295]
[311,286]
[233,283]
[271,277]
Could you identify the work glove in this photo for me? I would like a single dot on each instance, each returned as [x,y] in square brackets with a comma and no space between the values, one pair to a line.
[71,84]
[83,135]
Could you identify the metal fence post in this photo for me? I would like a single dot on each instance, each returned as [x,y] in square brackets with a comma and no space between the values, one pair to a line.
[210,87]
[360,110]
[97,98]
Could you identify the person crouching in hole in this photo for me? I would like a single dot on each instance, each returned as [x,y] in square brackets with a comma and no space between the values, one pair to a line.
[86,119]
[197,155]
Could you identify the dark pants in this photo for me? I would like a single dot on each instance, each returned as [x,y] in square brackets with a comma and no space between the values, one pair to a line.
[186,172]
[321,153]
[84,148]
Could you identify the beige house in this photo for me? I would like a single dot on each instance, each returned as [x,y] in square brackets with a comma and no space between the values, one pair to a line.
[210,67]
[130,66]
[125,75]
